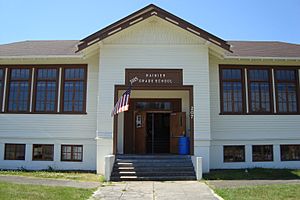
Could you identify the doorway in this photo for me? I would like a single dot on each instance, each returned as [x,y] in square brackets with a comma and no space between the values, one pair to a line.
[157,133]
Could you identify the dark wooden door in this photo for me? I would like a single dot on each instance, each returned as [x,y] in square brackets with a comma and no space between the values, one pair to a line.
[177,129]
[140,132]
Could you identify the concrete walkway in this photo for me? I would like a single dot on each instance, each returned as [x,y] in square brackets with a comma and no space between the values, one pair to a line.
[243,183]
[48,182]
[150,190]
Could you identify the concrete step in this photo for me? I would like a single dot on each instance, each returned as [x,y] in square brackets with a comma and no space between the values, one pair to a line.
[152,178]
[153,156]
[153,164]
[152,160]
[153,168]
[151,174]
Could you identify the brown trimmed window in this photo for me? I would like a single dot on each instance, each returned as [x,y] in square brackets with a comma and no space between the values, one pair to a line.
[232,97]
[43,152]
[260,92]
[14,152]
[262,153]
[46,89]
[71,152]
[74,90]
[290,152]
[234,153]
[19,90]
[2,73]
[286,82]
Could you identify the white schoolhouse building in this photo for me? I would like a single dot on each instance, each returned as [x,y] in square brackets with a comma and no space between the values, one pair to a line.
[237,101]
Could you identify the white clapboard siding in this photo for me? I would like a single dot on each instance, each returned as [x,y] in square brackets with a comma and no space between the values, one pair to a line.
[58,126]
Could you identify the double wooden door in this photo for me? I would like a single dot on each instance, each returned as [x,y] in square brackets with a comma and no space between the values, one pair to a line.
[177,129]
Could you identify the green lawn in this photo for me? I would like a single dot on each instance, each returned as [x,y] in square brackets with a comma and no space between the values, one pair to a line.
[11,191]
[253,174]
[266,192]
[79,176]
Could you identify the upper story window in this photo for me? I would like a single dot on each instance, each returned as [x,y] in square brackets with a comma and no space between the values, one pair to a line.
[46,90]
[260,93]
[1,85]
[263,84]
[19,90]
[286,90]
[232,97]
[74,90]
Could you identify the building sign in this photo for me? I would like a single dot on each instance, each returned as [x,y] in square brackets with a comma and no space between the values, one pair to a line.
[154,77]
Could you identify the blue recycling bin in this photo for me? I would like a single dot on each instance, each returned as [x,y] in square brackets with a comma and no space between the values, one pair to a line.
[183,145]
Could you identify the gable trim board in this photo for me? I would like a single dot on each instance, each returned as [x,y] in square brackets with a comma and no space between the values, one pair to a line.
[107,61]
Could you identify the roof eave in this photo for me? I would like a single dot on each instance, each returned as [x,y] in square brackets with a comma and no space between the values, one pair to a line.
[262,58]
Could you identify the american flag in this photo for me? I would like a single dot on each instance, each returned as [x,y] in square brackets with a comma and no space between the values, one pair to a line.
[123,103]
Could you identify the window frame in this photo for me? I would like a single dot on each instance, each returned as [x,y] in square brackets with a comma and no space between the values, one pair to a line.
[235,161]
[242,68]
[34,97]
[15,152]
[269,69]
[2,81]
[43,156]
[297,89]
[84,87]
[262,160]
[72,151]
[8,88]
[281,152]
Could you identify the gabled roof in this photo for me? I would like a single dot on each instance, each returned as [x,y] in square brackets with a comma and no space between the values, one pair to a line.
[263,49]
[144,13]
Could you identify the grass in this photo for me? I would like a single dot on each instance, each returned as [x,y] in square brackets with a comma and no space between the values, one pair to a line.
[253,174]
[274,192]
[12,191]
[78,176]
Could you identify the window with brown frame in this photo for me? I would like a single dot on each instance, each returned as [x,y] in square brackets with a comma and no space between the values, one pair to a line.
[290,152]
[262,153]
[42,152]
[74,90]
[2,73]
[260,91]
[19,87]
[14,152]
[234,153]
[286,82]
[71,153]
[46,89]
[232,90]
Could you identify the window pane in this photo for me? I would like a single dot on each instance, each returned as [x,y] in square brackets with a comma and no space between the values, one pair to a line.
[290,152]
[1,85]
[74,90]
[71,153]
[234,153]
[232,97]
[19,90]
[46,90]
[259,86]
[286,91]
[43,152]
[262,153]
[14,152]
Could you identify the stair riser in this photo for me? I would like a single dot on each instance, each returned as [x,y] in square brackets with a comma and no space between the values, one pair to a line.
[154,178]
[156,169]
[151,174]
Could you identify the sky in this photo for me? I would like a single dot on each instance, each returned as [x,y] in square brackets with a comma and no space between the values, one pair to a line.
[254,20]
